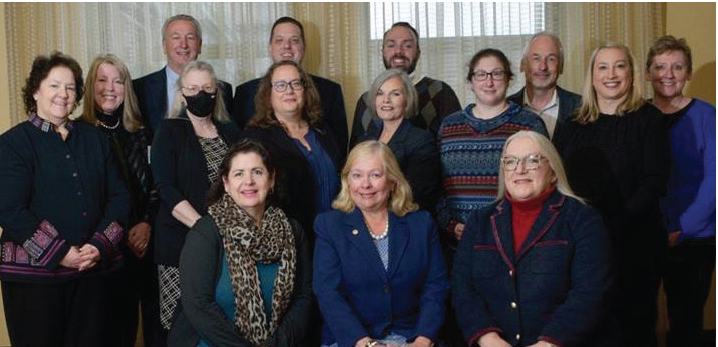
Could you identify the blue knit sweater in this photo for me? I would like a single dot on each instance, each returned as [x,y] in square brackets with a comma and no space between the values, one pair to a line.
[470,156]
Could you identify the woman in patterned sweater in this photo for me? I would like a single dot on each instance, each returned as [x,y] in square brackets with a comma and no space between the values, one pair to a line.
[472,140]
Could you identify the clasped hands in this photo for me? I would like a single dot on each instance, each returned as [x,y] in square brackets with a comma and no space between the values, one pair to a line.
[81,258]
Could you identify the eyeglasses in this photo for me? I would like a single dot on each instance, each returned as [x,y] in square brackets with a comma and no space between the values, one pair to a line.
[281,86]
[194,90]
[531,162]
[483,75]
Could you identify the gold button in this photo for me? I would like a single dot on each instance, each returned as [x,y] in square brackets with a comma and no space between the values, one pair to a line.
[513,305]
[355,232]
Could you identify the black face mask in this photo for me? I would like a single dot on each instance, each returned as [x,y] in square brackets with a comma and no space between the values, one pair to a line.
[202,104]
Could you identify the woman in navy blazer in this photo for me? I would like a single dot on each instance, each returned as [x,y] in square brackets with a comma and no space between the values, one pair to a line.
[379,275]
[395,101]
[533,268]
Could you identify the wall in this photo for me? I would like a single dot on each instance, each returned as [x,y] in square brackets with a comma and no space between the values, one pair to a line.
[4,125]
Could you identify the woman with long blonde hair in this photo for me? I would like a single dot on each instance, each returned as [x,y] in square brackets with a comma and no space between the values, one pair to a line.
[616,156]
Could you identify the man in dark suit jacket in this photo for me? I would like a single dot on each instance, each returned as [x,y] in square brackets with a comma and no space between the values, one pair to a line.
[542,63]
[182,43]
[286,42]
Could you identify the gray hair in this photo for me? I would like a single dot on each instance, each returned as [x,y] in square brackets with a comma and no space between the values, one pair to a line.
[412,98]
[186,17]
[556,41]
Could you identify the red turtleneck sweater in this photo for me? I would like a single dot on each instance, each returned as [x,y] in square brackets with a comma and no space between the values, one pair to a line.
[524,214]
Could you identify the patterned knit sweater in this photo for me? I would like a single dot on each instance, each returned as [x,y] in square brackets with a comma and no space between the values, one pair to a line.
[470,155]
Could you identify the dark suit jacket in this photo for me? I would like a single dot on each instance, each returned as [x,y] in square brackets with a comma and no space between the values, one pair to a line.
[199,314]
[554,289]
[358,297]
[331,96]
[297,184]
[151,92]
[567,103]
[180,172]
[418,158]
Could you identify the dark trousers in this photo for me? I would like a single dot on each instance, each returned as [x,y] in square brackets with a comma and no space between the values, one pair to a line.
[687,276]
[134,287]
[639,278]
[56,315]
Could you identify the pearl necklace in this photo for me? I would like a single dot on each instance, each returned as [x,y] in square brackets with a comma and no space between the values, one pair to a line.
[382,235]
[111,127]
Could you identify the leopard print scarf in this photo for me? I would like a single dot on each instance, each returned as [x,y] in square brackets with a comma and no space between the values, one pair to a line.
[244,245]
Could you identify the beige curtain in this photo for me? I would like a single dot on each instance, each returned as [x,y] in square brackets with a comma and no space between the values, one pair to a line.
[342,44]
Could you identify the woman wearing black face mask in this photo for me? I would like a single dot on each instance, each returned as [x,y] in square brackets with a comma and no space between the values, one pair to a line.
[186,153]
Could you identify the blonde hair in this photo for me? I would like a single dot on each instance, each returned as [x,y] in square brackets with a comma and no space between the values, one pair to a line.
[400,201]
[589,110]
[220,112]
[131,119]
[549,152]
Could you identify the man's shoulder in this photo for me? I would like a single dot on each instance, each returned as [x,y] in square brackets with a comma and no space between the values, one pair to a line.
[318,80]
[566,94]
[150,78]
[517,97]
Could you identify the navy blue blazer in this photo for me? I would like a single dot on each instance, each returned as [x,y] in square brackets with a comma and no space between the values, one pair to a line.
[331,96]
[567,103]
[151,92]
[359,298]
[556,287]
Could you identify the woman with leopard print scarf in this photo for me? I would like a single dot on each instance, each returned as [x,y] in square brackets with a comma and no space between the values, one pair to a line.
[245,267]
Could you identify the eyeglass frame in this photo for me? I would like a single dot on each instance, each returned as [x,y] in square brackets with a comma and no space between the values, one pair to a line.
[523,160]
[492,74]
[294,85]
[207,88]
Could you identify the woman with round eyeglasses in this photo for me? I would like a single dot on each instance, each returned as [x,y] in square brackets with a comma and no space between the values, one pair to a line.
[689,209]
[472,139]
[187,151]
[617,158]
[533,268]
[289,122]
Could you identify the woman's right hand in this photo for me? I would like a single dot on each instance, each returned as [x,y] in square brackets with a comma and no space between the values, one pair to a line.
[492,339]
[458,231]
[73,258]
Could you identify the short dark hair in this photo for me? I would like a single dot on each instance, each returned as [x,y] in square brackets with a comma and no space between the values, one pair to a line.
[288,20]
[403,25]
[244,146]
[667,44]
[490,52]
[264,115]
[41,67]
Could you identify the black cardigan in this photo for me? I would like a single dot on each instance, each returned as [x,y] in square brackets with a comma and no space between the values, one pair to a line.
[55,194]
[180,172]
[295,177]
[418,157]
[619,164]
[199,314]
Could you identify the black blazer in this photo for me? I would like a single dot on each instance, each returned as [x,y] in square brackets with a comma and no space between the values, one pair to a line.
[295,177]
[199,314]
[151,91]
[180,172]
[331,96]
[567,103]
[418,158]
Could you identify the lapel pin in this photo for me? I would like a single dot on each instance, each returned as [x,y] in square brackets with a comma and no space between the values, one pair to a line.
[355,232]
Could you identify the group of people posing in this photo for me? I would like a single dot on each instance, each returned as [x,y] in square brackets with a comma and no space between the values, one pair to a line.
[540,219]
